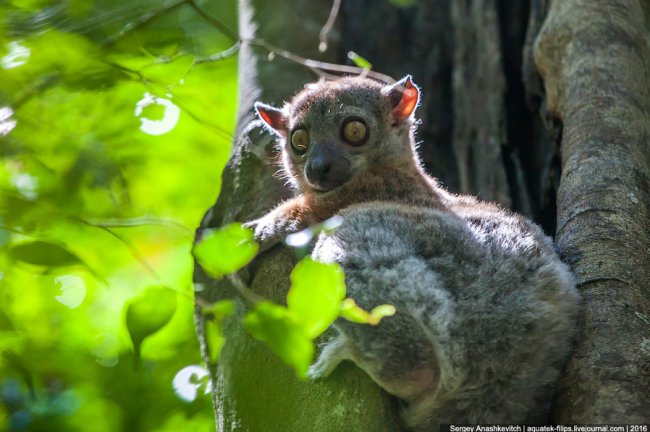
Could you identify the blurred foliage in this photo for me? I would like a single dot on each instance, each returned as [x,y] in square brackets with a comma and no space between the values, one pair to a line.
[112,142]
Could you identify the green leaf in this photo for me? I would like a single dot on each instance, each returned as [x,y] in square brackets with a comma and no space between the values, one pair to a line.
[44,254]
[225,250]
[283,333]
[359,61]
[214,329]
[148,313]
[315,296]
[351,312]
[220,309]
[380,312]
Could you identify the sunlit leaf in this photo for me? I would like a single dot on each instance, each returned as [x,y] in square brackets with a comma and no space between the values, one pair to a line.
[359,61]
[213,326]
[220,309]
[352,312]
[225,250]
[283,333]
[316,292]
[148,313]
[44,254]
[380,312]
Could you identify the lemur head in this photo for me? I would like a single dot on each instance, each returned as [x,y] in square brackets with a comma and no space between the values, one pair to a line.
[334,130]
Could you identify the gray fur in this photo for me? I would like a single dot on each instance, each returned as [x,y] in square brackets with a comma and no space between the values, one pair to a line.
[486,311]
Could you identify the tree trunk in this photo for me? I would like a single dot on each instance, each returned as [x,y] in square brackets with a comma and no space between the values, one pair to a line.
[595,61]
[483,131]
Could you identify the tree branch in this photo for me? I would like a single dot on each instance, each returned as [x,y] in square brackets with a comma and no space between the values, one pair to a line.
[324,32]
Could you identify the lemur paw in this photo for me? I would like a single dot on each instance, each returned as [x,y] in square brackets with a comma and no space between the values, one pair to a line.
[264,233]
[333,353]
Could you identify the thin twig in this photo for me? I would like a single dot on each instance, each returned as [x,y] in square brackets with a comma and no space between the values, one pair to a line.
[320,66]
[136,222]
[243,289]
[221,55]
[135,252]
[202,302]
[218,130]
[316,66]
[142,21]
[602,279]
[160,60]
[132,248]
[324,32]
[128,70]
[215,22]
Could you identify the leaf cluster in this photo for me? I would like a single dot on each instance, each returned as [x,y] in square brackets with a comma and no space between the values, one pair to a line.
[315,299]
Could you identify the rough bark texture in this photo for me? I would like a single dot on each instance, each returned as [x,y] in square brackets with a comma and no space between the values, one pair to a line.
[484,111]
[479,129]
[595,61]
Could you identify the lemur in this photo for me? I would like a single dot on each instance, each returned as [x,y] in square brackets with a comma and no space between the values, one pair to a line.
[486,311]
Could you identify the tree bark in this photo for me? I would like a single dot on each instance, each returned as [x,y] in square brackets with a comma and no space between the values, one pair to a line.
[479,129]
[595,62]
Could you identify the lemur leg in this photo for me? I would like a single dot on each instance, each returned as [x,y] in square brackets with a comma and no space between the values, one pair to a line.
[334,352]
[392,353]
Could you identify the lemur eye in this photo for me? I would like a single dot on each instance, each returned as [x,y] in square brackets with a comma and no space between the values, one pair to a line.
[300,141]
[355,132]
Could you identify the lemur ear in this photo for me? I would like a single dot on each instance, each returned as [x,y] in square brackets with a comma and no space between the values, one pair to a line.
[274,117]
[403,97]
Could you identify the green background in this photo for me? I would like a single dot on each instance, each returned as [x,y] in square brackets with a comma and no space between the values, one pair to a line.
[112,147]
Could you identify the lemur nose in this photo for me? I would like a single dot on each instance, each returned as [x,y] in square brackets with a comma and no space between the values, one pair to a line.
[320,166]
